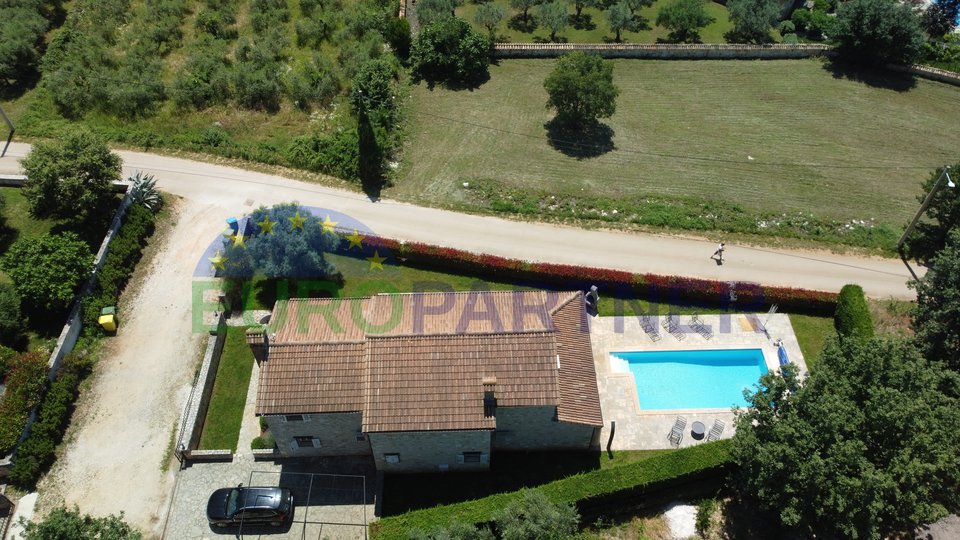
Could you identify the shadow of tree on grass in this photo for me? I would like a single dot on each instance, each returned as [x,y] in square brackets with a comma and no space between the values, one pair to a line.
[581,142]
[871,76]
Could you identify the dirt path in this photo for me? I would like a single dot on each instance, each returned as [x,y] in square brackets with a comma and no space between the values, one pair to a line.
[119,439]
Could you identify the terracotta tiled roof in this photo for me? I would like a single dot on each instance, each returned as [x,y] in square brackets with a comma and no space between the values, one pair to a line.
[419,383]
[418,361]
[579,397]
[311,378]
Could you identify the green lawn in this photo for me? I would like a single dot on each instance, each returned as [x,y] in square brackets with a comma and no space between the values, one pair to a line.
[17,222]
[812,333]
[744,146]
[594,27]
[221,427]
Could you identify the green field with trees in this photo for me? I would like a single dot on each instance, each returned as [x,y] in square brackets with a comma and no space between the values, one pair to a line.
[793,147]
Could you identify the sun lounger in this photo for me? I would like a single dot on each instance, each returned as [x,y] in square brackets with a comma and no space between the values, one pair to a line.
[649,328]
[676,434]
[671,324]
[701,328]
[716,431]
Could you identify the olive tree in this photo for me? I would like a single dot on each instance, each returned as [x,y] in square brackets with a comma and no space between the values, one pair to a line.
[879,32]
[581,89]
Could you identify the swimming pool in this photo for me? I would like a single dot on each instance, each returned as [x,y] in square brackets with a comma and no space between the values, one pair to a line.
[710,379]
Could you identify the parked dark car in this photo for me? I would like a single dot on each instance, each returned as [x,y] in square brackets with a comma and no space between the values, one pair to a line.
[250,505]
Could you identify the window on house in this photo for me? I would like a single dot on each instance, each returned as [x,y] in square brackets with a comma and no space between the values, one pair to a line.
[307,442]
[293,417]
[471,457]
[361,436]
[391,458]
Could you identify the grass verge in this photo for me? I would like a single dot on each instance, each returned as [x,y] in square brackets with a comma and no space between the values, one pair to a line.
[221,426]
[694,145]
[812,333]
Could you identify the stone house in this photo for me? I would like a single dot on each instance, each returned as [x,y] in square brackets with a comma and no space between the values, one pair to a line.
[429,381]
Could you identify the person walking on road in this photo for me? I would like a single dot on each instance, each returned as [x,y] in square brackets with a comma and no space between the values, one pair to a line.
[718,254]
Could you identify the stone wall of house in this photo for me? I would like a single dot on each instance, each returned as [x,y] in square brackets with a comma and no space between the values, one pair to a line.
[525,428]
[430,451]
[331,434]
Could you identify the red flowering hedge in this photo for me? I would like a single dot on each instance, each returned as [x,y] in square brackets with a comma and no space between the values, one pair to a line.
[618,282]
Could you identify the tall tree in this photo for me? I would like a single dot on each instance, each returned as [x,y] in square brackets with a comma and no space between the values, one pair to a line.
[936,319]
[879,32]
[943,215]
[684,19]
[865,448]
[288,242]
[450,50]
[752,19]
[47,271]
[70,178]
[524,7]
[581,89]
[489,15]
[620,17]
[940,17]
[578,6]
[553,16]
[431,11]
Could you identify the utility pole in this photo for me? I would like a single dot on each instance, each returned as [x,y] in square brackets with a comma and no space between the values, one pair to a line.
[945,173]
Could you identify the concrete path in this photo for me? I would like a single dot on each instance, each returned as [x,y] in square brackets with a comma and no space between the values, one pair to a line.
[237,191]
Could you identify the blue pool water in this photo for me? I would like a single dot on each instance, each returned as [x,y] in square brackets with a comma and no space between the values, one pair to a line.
[710,379]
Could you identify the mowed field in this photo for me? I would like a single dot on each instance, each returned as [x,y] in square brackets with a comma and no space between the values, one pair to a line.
[769,136]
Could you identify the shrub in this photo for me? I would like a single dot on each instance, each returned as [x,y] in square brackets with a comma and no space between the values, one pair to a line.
[336,153]
[39,449]
[800,19]
[62,523]
[312,31]
[704,515]
[204,79]
[263,443]
[6,356]
[26,380]
[47,271]
[454,531]
[125,251]
[22,26]
[314,81]
[790,38]
[397,34]
[216,23]
[265,14]
[11,320]
[852,317]
[450,50]
[787,27]
[137,88]
[535,517]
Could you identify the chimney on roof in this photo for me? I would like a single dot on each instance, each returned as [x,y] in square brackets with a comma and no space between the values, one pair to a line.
[489,396]
[259,343]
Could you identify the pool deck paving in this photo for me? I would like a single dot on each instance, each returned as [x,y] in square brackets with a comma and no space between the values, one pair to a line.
[637,429]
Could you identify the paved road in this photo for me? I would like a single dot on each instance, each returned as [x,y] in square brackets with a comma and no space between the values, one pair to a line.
[237,190]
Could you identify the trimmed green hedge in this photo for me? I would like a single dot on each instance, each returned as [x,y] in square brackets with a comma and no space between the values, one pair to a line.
[26,382]
[125,251]
[585,489]
[618,283]
[852,317]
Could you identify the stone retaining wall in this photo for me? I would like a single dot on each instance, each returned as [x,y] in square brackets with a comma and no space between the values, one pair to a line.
[663,50]
[191,424]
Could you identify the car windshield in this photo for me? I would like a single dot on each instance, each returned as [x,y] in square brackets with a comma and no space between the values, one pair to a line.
[232,501]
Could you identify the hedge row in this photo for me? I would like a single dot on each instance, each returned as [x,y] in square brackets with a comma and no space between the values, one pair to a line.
[25,383]
[38,451]
[125,251]
[673,289]
[582,489]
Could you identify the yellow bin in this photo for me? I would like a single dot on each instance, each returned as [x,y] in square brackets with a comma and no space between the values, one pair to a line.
[108,322]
